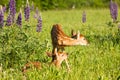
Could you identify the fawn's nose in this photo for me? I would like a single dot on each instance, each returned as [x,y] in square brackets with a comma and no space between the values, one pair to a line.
[67,54]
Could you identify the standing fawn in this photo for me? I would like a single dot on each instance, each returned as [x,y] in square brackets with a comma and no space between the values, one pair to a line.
[60,39]
[58,59]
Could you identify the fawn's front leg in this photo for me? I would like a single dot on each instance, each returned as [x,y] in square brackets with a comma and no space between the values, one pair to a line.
[68,67]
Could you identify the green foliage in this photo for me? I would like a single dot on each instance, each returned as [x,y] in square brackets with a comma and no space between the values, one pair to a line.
[61,4]
[17,47]
[100,60]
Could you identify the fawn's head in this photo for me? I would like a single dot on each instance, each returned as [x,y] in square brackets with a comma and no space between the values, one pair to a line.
[79,37]
[59,57]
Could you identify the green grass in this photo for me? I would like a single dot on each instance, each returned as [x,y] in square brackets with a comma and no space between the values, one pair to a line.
[98,61]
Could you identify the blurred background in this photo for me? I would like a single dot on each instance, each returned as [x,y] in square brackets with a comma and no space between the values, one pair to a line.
[62,4]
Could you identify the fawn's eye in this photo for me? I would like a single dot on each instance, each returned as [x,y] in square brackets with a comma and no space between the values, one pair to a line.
[83,38]
[62,55]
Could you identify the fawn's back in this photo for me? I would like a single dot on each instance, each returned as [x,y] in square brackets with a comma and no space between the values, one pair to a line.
[60,39]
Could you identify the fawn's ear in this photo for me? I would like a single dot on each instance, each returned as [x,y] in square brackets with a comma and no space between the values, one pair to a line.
[73,32]
[56,52]
[78,35]
[49,54]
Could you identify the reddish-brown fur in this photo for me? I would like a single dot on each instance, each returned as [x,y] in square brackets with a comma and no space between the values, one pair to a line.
[60,39]
[58,59]
[30,65]
[74,34]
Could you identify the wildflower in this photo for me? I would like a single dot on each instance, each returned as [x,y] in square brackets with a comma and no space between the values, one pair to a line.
[39,25]
[1,17]
[113,10]
[9,20]
[4,8]
[39,19]
[84,17]
[12,9]
[27,11]
[36,13]
[19,19]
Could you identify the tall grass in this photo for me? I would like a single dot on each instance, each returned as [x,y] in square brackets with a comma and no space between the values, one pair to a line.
[98,61]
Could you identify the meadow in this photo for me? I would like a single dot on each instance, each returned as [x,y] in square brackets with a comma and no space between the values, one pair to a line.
[98,61]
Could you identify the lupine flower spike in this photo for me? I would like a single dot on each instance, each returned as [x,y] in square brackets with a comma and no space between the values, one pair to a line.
[39,25]
[19,19]
[12,6]
[9,20]
[1,17]
[113,10]
[84,17]
[27,11]
[4,8]
[36,13]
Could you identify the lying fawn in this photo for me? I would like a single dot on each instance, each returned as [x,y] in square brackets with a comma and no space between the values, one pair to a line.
[60,39]
[59,58]
[30,65]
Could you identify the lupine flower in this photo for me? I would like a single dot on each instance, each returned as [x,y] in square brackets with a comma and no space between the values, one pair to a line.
[113,10]
[84,17]
[27,11]
[9,20]
[39,25]
[36,13]
[19,19]
[4,8]
[1,17]
[12,9]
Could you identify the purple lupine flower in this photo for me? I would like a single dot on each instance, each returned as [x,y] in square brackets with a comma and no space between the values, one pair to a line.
[9,20]
[36,13]
[39,25]
[12,6]
[19,19]
[27,11]
[4,8]
[113,10]
[84,17]
[1,17]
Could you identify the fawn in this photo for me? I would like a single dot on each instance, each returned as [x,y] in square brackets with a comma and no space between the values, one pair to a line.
[58,59]
[60,39]
[30,65]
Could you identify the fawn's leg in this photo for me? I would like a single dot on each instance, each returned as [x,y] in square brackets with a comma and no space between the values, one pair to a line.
[68,67]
